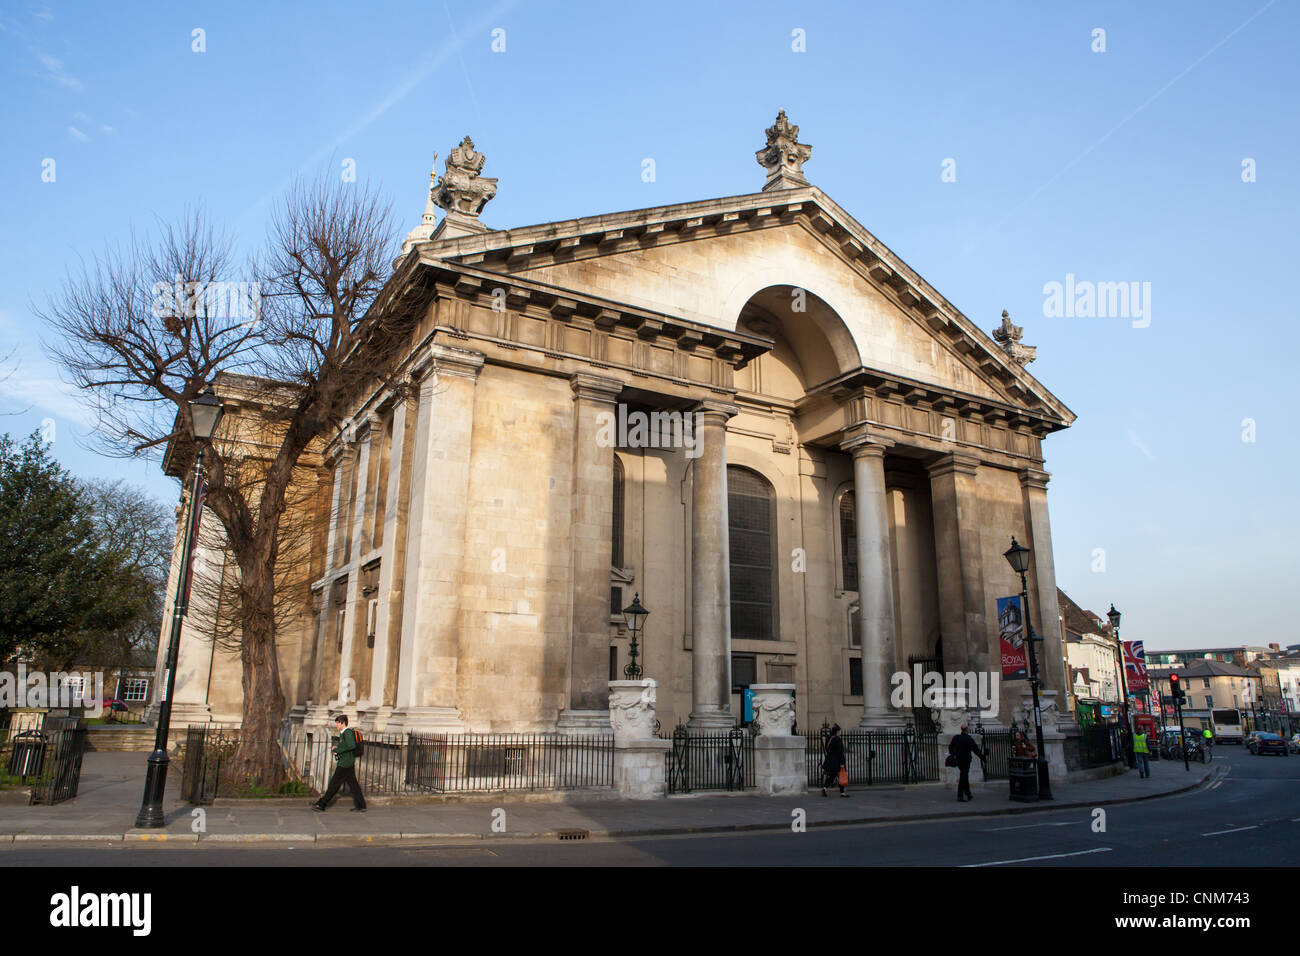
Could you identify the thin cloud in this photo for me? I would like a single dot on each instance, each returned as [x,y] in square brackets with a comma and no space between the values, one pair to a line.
[54,71]
[1136,441]
[78,134]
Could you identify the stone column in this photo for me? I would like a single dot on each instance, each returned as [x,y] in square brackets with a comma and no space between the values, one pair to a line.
[962,616]
[591,544]
[778,754]
[435,542]
[1042,580]
[640,758]
[354,618]
[388,620]
[711,577]
[875,580]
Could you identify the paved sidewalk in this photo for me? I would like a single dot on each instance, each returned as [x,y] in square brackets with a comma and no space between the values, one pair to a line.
[112,785]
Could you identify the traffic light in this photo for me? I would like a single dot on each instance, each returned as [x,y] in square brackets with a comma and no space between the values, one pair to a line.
[1176,691]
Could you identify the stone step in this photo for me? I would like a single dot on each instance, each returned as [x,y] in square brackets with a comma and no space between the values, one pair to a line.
[109,739]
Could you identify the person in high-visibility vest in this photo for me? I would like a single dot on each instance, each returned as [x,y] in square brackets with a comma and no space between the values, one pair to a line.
[1143,754]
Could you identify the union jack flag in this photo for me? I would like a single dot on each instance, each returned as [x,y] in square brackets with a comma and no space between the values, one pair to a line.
[1135,666]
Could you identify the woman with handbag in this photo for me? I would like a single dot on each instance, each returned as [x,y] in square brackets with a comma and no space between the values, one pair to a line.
[833,766]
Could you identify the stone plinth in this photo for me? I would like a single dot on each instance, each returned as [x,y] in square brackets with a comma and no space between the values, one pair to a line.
[640,768]
[1053,739]
[779,765]
[583,723]
[773,706]
[640,758]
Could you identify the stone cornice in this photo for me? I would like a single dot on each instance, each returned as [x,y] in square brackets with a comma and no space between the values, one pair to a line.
[516,295]
[953,464]
[595,388]
[522,249]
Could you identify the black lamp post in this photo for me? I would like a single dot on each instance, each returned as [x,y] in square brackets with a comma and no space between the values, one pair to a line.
[1129,756]
[1018,557]
[635,616]
[205,414]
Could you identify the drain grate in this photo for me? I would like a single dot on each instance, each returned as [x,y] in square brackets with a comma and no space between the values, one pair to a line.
[572,834]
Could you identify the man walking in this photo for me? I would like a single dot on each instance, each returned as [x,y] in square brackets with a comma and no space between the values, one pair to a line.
[345,752]
[1143,754]
[961,748]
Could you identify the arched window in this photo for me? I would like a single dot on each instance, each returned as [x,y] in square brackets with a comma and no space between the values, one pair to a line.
[849,541]
[617,517]
[751,507]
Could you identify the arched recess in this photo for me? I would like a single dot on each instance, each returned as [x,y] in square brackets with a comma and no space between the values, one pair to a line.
[812,342]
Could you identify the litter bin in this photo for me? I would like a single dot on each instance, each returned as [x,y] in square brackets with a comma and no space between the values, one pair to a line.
[28,755]
[1023,773]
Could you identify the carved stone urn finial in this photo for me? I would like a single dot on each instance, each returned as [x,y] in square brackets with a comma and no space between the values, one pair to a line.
[1008,336]
[783,156]
[462,192]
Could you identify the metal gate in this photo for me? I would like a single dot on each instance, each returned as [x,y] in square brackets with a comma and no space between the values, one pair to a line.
[877,756]
[996,745]
[206,749]
[711,761]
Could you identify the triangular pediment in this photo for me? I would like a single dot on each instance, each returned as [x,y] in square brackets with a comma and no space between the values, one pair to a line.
[703,261]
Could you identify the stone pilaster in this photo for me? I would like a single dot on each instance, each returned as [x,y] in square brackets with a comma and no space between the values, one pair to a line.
[711,577]
[435,542]
[354,617]
[591,543]
[388,619]
[1042,580]
[954,495]
[875,580]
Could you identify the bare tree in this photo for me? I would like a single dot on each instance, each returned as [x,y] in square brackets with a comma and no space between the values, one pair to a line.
[139,335]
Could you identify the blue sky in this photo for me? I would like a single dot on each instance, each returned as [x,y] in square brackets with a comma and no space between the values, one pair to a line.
[1122,165]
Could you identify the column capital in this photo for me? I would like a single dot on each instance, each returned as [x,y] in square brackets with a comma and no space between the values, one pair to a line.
[953,464]
[595,388]
[711,410]
[446,360]
[1034,478]
[865,445]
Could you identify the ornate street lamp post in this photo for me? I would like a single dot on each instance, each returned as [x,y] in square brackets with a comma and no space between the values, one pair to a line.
[205,413]
[635,616]
[1018,557]
[1129,756]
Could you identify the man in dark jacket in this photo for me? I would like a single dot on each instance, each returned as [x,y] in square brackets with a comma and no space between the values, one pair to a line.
[833,762]
[961,748]
[345,752]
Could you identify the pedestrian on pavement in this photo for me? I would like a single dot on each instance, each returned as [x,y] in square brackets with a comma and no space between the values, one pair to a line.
[960,749]
[1143,754]
[834,762]
[345,752]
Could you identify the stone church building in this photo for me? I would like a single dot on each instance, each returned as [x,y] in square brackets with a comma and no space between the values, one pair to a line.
[748,411]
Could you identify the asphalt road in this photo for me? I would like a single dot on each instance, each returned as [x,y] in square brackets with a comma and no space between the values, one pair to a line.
[1250,817]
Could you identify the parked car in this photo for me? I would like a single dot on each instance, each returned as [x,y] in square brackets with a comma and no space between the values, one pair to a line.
[1265,743]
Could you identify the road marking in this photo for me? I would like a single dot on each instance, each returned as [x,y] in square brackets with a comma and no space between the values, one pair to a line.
[1030,826]
[1030,859]
[1236,830]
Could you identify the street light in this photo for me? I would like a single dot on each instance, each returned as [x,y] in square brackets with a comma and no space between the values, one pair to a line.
[1018,557]
[205,415]
[1129,756]
[635,616]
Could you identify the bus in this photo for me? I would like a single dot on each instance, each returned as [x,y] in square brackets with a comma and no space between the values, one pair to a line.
[1226,725]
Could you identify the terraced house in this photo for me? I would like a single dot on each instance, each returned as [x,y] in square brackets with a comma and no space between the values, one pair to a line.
[748,411]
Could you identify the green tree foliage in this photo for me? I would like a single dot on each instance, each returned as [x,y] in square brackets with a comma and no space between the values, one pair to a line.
[59,578]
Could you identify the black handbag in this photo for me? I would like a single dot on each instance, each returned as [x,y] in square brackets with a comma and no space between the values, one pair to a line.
[951,761]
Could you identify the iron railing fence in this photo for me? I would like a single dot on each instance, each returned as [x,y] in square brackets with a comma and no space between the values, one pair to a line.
[395,764]
[996,745]
[878,756]
[461,762]
[47,760]
[723,761]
